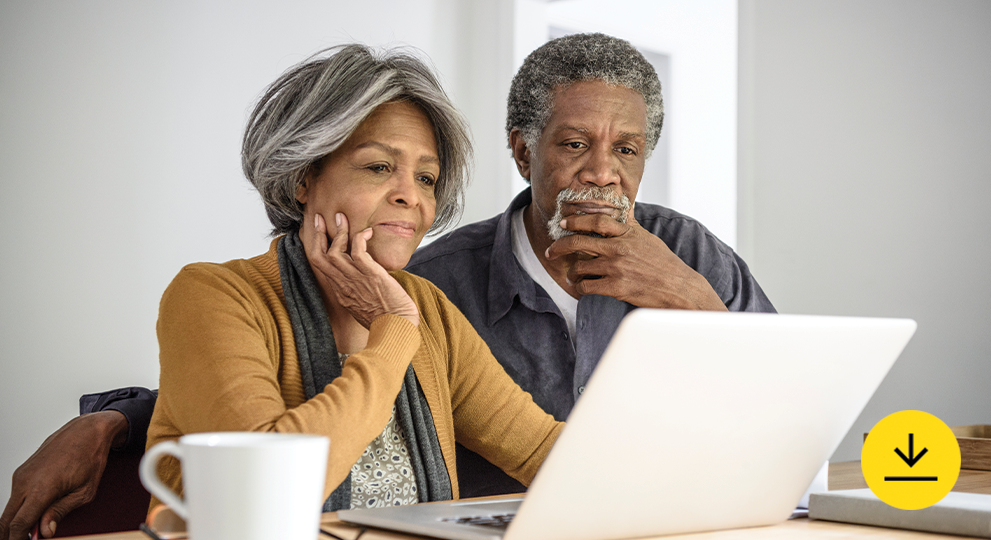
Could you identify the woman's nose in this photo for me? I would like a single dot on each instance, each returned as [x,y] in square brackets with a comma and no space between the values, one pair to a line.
[405,192]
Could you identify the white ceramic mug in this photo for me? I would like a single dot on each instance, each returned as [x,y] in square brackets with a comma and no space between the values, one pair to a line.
[244,486]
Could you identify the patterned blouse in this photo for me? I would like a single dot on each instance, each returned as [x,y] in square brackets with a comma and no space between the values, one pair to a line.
[383,475]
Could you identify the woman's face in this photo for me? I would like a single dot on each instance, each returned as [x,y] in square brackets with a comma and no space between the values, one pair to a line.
[382,177]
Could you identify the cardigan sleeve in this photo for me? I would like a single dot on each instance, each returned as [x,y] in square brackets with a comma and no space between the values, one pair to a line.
[493,416]
[222,369]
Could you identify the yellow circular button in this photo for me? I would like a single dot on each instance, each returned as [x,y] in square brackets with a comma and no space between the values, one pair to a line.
[910,460]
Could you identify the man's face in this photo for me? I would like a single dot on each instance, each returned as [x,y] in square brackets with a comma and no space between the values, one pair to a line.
[594,144]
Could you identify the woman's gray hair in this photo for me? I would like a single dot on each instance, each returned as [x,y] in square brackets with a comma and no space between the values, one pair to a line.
[315,106]
[580,57]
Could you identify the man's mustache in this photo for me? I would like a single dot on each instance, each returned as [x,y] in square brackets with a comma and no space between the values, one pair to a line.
[588,194]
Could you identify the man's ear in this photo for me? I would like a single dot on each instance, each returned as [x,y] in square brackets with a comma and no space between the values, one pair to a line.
[521,154]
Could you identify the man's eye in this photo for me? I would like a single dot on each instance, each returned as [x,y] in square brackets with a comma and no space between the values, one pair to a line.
[627,150]
[574,145]
[378,168]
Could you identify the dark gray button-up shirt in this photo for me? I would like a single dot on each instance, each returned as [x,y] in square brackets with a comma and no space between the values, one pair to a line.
[475,266]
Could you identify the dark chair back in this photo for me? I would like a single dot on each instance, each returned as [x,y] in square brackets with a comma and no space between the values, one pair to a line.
[121,502]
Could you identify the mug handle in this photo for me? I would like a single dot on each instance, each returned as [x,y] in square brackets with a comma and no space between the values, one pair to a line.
[149,476]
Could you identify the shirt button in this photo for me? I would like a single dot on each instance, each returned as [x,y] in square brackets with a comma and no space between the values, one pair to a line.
[581,390]
[564,335]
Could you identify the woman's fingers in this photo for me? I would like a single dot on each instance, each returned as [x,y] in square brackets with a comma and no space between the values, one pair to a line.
[359,253]
[320,233]
[340,243]
[360,284]
[331,260]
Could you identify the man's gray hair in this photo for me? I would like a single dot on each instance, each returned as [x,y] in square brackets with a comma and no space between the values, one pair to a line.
[580,57]
[315,106]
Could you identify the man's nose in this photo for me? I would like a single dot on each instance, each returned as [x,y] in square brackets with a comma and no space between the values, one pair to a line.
[600,169]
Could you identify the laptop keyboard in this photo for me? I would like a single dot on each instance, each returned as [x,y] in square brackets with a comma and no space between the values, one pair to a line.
[498,521]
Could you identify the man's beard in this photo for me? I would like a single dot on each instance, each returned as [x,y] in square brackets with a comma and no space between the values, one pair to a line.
[621,202]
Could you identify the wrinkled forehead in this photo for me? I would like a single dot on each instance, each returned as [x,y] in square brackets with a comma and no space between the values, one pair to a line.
[589,104]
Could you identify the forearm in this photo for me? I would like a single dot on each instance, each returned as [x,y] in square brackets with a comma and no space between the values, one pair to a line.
[685,289]
[110,426]
[136,404]
[62,474]
[493,416]
[502,423]
[700,295]
[355,408]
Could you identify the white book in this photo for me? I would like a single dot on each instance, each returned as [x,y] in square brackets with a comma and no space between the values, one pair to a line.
[966,514]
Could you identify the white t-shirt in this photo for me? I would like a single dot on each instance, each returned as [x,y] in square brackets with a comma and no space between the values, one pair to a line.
[531,264]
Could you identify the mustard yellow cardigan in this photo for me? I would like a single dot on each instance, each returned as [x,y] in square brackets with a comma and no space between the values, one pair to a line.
[228,363]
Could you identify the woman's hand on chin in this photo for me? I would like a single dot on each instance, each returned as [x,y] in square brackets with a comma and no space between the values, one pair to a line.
[355,280]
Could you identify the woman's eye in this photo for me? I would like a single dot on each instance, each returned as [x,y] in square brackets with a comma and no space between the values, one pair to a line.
[427,180]
[378,168]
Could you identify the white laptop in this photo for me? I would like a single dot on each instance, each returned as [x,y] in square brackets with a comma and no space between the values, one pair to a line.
[692,421]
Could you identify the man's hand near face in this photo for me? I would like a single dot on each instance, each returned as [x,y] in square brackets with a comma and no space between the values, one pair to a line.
[630,264]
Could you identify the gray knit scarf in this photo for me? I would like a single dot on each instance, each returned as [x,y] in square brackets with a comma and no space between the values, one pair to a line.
[319,365]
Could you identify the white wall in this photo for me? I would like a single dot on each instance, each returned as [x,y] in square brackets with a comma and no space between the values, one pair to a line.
[120,128]
[484,43]
[865,181]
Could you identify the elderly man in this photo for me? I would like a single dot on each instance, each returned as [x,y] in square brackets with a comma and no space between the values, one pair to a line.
[545,284]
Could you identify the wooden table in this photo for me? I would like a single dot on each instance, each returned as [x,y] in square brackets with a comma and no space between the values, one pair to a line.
[845,475]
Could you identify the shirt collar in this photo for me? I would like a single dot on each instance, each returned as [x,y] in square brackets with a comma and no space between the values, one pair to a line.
[507,279]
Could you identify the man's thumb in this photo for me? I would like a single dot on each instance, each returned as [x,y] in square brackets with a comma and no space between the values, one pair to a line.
[61,508]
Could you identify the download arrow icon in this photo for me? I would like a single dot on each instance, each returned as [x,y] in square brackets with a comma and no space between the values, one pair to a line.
[912,459]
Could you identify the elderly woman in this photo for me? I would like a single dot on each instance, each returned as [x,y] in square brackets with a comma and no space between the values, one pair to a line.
[356,158]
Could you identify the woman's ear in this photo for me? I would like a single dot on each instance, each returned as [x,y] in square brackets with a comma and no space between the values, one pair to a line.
[301,190]
[312,172]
